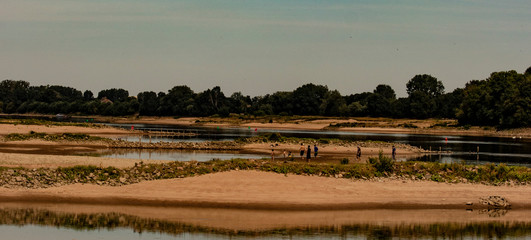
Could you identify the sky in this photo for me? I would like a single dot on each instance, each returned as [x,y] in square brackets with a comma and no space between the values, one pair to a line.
[260,47]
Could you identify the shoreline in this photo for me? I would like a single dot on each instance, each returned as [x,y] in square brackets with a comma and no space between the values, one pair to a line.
[325,122]
[373,125]
[267,222]
[270,191]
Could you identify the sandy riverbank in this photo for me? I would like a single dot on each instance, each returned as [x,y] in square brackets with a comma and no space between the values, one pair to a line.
[375,125]
[51,129]
[37,146]
[262,190]
[15,160]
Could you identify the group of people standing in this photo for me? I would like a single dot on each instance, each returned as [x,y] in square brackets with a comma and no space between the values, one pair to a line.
[308,152]
[302,151]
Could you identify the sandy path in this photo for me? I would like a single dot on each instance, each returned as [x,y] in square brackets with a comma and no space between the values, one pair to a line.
[262,190]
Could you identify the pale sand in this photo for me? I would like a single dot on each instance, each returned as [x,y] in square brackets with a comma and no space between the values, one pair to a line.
[54,161]
[263,190]
[263,220]
[25,129]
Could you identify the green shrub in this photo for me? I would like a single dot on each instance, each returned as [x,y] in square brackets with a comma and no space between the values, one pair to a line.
[344,161]
[436,178]
[274,137]
[382,163]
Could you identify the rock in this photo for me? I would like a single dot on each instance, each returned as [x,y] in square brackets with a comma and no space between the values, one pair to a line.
[469,203]
[495,201]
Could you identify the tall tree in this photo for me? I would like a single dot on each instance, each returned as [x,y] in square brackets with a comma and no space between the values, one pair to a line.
[379,103]
[212,101]
[333,104]
[501,100]
[423,91]
[12,94]
[426,84]
[528,71]
[148,103]
[178,101]
[114,94]
[385,91]
[308,98]
[88,95]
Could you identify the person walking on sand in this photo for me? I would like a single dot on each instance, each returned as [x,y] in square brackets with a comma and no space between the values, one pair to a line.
[315,150]
[393,153]
[273,154]
[358,154]
[284,153]
[302,151]
[308,153]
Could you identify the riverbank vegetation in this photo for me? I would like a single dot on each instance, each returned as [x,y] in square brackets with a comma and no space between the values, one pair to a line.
[53,137]
[502,100]
[377,169]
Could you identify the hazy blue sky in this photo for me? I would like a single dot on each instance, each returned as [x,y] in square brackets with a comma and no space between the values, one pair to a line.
[260,47]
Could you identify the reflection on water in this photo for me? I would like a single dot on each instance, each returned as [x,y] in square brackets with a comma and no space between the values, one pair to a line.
[177,155]
[112,225]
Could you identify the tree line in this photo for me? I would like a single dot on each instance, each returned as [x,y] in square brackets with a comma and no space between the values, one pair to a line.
[502,100]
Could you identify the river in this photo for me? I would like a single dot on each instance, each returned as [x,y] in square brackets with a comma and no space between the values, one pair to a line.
[66,221]
[470,149]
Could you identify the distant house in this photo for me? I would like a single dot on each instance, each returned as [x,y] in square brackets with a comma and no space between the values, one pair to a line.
[105,100]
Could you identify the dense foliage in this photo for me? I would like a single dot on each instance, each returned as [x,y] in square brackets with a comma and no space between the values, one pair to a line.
[501,100]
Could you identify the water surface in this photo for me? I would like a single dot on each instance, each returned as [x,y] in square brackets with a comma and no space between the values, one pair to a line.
[470,149]
[135,222]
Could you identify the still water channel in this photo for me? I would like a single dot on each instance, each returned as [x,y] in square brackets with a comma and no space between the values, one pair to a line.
[511,151]
[86,222]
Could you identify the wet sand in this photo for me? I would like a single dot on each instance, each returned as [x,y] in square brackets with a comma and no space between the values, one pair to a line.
[15,160]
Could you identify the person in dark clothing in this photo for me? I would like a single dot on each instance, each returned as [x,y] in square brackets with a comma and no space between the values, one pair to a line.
[358,154]
[315,149]
[394,153]
[308,153]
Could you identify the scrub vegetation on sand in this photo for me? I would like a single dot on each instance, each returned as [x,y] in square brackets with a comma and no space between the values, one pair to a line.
[53,137]
[379,168]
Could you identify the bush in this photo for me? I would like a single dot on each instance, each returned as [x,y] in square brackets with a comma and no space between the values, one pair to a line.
[382,163]
[274,137]
[344,161]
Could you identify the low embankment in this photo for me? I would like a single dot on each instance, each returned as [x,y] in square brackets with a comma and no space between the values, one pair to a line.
[378,168]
